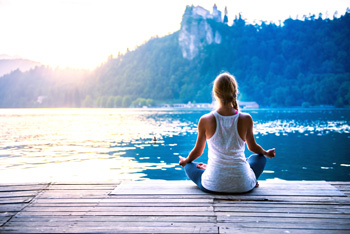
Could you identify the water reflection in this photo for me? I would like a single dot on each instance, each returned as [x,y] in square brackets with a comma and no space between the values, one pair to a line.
[285,127]
[117,144]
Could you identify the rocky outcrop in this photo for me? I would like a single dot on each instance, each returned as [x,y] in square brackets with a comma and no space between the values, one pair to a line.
[196,32]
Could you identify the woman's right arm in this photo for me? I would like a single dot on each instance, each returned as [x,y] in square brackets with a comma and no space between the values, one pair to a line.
[250,139]
[200,144]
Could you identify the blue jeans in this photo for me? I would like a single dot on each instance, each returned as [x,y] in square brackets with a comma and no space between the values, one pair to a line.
[256,162]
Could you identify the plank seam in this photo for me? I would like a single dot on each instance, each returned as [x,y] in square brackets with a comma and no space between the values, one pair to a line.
[28,203]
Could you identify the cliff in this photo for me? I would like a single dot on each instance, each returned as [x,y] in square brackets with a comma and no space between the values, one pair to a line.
[196,30]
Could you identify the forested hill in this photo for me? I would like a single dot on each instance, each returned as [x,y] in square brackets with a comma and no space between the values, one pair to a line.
[301,62]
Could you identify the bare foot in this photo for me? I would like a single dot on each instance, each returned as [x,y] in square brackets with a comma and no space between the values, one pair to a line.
[202,166]
[257,184]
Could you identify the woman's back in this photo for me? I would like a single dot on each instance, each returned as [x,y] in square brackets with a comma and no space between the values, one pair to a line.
[226,139]
[242,124]
[227,170]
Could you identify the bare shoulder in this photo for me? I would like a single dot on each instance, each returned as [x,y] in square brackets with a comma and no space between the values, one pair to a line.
[207,121]
[243,115]
[245,118]
[207,118]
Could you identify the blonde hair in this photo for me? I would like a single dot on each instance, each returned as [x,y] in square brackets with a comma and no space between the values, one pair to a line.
[226,89]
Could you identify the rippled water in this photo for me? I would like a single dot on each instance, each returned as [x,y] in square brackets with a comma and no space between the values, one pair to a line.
[116,144]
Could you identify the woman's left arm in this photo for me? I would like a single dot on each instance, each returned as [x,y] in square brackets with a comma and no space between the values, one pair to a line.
[200,144]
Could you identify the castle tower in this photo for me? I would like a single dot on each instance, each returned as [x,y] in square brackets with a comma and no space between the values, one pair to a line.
[216,14]
[215,10]
[225,17]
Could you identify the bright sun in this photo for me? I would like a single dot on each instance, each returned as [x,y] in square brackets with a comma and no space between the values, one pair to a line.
[80,34]
[83,33]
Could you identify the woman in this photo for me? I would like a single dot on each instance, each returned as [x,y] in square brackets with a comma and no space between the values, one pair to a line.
[226,130]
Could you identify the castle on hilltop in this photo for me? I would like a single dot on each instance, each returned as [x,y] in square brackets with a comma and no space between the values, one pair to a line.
[196,32]
[199,11]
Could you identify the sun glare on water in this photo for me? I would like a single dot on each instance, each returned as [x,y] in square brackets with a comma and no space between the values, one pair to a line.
[79,144]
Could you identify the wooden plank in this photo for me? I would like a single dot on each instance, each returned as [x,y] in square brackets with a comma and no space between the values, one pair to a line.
[103,198]
[125,218]
[246,199]
[291,182]
[276,192]
[3,220]
[18,194]
[283,198]
[117,209]
[343,188]
[7,214]
[53,205]
[171,183]
[193,229]
[123,200]
[23,184]
[162,196]
[277,220]
[285,225]
[21,188]
[290,188]
[339,182]
[276,230]
[228,215]
[15,200]
[86,183]
[278,205]
[333,224]
[86,192]
[284,210]
[74,194]
[46,195]
[81,187]
[115,213]
[77,191]
[109,224]
[12,207]
[124,205]
[156,187]
[185,204]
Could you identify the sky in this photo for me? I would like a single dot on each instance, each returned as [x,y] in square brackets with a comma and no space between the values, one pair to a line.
[83,33]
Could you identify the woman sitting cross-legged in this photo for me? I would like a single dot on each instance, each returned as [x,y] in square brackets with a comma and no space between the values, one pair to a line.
[226,130]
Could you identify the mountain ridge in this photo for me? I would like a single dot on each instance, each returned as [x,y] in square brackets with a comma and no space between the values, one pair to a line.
[299,63]
[9,64]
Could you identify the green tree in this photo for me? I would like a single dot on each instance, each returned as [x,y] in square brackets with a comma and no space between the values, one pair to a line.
[126,101]
[139,102]
[88,102]
[110,102]
[118,101]
[150,102]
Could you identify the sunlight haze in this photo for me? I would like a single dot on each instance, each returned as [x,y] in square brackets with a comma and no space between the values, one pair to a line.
[83,33]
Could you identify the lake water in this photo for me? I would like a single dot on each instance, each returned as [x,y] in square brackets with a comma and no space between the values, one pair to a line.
[116,144]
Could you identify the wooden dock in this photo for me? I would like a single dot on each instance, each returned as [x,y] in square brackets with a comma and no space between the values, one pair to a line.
[91,208]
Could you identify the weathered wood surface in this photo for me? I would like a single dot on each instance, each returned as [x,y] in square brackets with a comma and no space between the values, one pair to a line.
[319,207]
[268,188]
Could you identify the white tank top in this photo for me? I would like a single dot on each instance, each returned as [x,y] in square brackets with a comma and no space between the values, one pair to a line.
[227,169]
